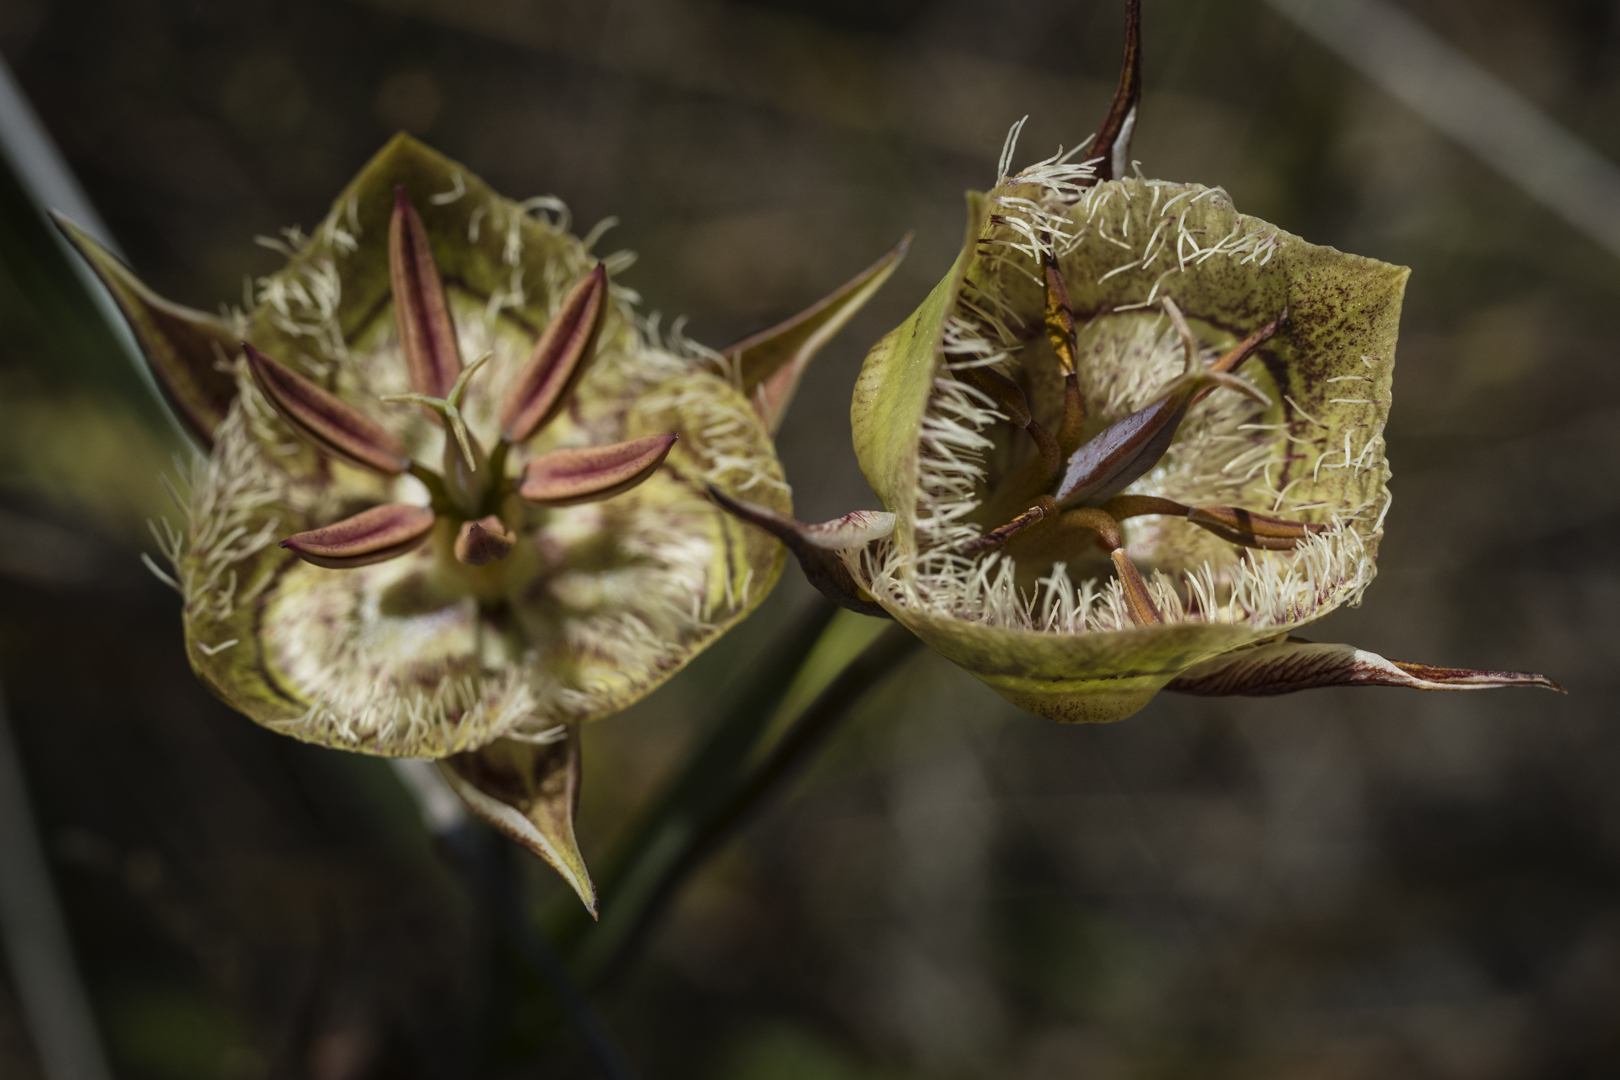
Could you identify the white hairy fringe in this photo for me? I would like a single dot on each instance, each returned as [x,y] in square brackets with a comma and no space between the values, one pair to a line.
[648,610]
[459,713]
[231,492]
[1220,454]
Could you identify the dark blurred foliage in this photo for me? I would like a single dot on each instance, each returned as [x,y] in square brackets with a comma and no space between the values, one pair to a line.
[1350,884]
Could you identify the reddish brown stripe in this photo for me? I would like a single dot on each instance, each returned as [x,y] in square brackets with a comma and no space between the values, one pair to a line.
[563,477]
[426,331]
[324,419]
[374,535]
[559,359]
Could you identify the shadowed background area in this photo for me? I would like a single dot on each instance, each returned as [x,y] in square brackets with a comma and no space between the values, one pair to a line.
[1349,884]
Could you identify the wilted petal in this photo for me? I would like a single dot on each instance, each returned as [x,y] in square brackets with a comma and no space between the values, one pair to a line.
[327,421]
[770,363]
[529,790]
[1283,667]
[591,473]
[371,536]
[187,350]
[816,546]
[559,358]
[426,332]
[482,542]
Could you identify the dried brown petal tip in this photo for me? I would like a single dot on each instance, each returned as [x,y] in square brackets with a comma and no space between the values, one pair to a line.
[770,364]
[484,541]
[817,546]
[184,349]
[1113,140]
[325,420]
[1282,667]
[559,358]
[426,332]
[591,473]
[371,536]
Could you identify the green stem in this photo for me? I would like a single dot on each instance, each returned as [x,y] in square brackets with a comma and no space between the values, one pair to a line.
[674,845]
[709,769]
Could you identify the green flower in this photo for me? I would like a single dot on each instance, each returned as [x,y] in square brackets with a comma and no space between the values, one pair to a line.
[453,505]
[1134,440]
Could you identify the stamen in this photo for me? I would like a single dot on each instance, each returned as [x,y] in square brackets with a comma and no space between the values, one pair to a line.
[559,359]
[1243,349]
[1138,601]
[1010,397]
[1117,456]
[1071,432]
[1235,526]
[482,542]
[1113,138]
[426,332]
[1046,507]
[371,536]
[592,473]
[1252,530]
[325,420]
[1059,318]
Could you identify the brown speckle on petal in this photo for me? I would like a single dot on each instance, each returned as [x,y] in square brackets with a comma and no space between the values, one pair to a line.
[371,536]
[586,474]
[325,420]
[558,360]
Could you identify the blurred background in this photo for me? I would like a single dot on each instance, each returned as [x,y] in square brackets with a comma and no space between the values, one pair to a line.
[1354,883]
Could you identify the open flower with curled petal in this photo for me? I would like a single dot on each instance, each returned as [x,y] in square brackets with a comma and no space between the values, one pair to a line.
[1133,440]
[454,504]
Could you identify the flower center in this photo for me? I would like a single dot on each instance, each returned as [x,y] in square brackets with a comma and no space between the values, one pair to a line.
[1067,496]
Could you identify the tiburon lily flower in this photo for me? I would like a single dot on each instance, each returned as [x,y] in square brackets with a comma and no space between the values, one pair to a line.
[454,502]
[1133,440]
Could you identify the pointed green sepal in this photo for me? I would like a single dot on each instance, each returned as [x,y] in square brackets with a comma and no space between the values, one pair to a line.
[189,351]
[770,364]
[529,790]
